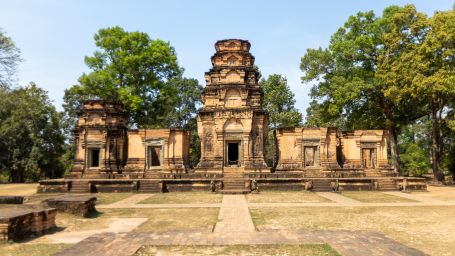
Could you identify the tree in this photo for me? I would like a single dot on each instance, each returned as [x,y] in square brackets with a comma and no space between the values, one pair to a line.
[31,137]
[186,101]
[9,58]
[346,89]
[280,104]
[131,68]
[414,146]
[418,61]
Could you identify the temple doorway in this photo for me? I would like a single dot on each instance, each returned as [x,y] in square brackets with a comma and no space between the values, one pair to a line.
[369,157]
[233,153]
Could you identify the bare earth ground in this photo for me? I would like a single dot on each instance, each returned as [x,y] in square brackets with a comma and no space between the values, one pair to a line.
[190,197]
[429,229]
[250,250]
[18,189]
[444,193]
[374,197]
[286,197]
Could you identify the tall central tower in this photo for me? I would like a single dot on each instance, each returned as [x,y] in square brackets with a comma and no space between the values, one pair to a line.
[232,125]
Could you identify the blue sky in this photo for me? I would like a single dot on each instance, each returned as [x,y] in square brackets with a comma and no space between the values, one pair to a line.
[54,36]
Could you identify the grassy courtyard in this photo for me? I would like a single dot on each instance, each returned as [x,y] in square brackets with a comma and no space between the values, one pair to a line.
[158,219]
[429,229]
[190,197]
[247,250]
[28,249]
[374,197]
[286,197]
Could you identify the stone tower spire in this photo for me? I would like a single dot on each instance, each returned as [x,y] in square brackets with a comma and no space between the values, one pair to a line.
[232,124]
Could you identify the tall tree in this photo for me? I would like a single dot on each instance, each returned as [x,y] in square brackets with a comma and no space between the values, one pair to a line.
[280,104]
[345,84]
[31,136]
[131,68]
[9,58]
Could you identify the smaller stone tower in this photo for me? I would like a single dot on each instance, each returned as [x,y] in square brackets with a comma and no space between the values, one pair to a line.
[101,140]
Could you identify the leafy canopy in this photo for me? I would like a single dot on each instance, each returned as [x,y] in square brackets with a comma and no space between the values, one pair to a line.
[131,68]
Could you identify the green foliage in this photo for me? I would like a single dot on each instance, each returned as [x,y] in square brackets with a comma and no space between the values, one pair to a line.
[279,102]
[185,99]
[414,146]
[131,68]
[9,58]
[31,138]
[418,64]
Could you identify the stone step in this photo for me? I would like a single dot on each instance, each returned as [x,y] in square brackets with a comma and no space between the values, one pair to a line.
[146,186]
[322,185]
[80,186]
[234,191]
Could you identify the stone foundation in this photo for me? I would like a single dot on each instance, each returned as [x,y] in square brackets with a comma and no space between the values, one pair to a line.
[77,205]
[11,199]
[19,222]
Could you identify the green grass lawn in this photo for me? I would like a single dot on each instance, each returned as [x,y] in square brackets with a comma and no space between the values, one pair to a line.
[286,197]
[190,197]
[375,197]
[158,219]
[427,228]
[29,249]
[252,250]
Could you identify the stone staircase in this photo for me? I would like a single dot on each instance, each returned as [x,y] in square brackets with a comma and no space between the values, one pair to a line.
[150,186]
[80,186]
[387,185]
[322,185]
[233,181]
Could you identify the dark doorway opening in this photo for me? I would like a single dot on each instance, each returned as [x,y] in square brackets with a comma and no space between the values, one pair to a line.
[154,156]
[233,153]
[94,158]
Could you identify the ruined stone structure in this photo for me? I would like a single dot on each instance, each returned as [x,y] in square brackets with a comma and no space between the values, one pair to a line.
[106,148]
[232,127]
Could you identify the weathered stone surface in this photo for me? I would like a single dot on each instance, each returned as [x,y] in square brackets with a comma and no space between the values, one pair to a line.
[77,205]
[11,199]
[19,222]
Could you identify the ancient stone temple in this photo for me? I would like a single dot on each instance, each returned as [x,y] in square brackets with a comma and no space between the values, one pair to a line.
[232,125]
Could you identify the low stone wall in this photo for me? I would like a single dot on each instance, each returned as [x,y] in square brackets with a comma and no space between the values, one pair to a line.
[77,205]
[19,222]
[54,186]
[266,181]
[11,199]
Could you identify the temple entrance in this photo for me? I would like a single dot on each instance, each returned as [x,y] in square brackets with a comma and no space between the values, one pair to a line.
[368,157]
[233,153]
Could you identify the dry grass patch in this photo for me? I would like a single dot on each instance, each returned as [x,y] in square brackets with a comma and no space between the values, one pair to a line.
[23,189]
[158,219]
[27,249]
[375,197]
[259,250]
[286,197]
[443,193]
[110,198]
[429,229]
[190,197]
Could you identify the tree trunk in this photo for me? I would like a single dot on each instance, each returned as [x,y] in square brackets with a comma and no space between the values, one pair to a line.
[393,135]
[435,143]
